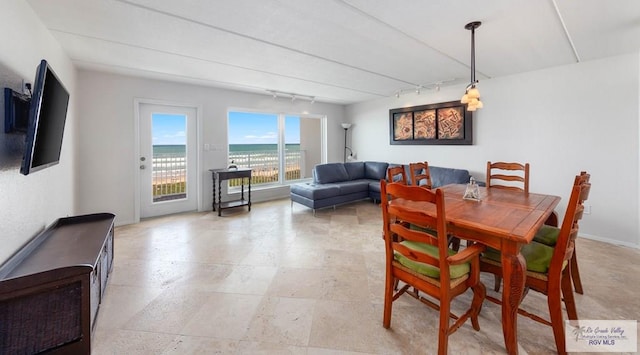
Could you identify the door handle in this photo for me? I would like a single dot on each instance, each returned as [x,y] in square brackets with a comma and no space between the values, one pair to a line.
[142,167]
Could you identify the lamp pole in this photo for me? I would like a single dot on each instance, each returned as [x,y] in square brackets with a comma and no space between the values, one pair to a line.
[346,127]
[345,145]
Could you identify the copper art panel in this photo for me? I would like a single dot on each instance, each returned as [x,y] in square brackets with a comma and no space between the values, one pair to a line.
[403,126]
[450,123]
[425,124]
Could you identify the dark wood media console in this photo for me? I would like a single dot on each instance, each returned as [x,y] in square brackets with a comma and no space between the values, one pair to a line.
[50,290]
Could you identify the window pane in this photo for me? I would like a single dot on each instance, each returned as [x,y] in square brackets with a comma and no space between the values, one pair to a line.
[253,143]
[254,140]
[292,153]
[169,161]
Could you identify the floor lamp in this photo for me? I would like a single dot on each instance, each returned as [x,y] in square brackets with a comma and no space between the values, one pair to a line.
[346,127]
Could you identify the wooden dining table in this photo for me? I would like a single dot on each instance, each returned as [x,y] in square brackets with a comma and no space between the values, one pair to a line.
[504,220]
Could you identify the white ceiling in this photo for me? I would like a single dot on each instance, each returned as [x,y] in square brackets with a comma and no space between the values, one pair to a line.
[340,51]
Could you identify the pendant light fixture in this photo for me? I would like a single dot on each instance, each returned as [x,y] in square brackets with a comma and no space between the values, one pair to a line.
[471,95]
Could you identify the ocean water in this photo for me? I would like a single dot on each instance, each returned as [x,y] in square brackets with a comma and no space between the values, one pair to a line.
[233,148]
[257,156]
[260,147]
[169,149]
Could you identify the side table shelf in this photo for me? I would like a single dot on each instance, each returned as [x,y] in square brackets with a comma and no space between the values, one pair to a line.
[219,175]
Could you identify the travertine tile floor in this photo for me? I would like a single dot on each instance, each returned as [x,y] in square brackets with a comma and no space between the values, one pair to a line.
[278,280]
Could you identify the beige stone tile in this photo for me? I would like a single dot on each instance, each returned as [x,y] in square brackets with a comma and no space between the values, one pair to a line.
[149,273]
[122,341]
[183,344]
[320,284]
[267,348]
[222,316]
[283,321]
[169,312]
[121,303]
[321,351]
[356,326]
[303,257]
[246,279]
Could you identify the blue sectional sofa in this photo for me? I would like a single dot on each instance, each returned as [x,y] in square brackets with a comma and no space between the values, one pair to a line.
[338,183]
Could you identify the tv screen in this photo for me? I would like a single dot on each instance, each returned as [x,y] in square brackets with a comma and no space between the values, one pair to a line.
[47,115]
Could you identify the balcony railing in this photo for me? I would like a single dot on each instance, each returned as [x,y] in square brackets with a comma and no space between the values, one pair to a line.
[265,165]
[170,170]
[169,176]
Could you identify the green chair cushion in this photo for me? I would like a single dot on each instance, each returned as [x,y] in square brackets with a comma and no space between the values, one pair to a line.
[455,271]
[492,254]
[547,235]
[537,255]
[433,232]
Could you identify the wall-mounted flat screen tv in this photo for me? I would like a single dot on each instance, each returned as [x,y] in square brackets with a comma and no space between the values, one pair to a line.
[47,116]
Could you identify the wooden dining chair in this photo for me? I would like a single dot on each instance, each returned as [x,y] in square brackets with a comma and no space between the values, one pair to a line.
[548,235]
[549,268]
[420,175]
[511,176]
[422,259]
[397,174]
[497,175]
[514,176]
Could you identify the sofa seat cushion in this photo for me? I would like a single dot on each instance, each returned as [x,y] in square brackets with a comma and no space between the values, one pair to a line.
[349,187]
[316,191]
[374,186]
[330,172]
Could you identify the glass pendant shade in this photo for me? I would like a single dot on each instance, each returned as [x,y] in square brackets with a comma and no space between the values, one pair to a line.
[473,93]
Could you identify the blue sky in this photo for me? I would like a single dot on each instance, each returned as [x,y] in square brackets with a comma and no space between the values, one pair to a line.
[244,128]
[168,129]
[261,128]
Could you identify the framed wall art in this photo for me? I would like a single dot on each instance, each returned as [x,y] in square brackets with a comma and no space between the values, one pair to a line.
[447,123]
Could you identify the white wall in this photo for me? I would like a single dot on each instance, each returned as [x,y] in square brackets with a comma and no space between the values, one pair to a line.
[30,203]
[561,120]
[106,161]
[311,144]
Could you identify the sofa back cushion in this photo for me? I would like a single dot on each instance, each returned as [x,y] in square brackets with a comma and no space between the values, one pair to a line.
[375,170]
[330,172]
[445,176]
[355,170]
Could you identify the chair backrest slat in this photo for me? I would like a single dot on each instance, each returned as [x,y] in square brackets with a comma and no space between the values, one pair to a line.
[419,172]
[519,174]
[397,174]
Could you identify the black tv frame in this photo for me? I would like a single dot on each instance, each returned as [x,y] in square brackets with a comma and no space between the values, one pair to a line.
[45,129]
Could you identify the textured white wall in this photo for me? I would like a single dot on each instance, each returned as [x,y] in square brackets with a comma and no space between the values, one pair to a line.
[561,120]
[30,203]
[106,146]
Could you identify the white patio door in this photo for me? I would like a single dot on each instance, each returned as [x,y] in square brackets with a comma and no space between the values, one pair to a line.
[168,159]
